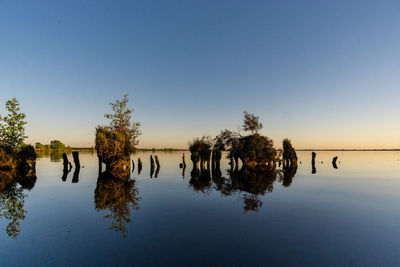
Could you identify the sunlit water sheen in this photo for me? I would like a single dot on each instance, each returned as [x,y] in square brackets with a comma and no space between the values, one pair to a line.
[344,216]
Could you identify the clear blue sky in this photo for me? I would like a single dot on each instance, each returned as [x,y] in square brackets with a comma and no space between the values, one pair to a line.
[324,73]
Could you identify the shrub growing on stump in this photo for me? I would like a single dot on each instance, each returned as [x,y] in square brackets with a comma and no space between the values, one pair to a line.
[14,154]
[116,141]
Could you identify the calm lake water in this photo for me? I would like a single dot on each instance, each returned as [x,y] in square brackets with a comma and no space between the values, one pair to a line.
[344,216]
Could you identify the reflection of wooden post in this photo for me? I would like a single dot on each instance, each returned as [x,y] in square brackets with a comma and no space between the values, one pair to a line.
[151,161]
[66,162]
[75,155]
[183,160]
[75,178]
[139,165]
[157,161]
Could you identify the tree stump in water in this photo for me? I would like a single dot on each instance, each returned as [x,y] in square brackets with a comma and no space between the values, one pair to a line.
[313,155]
[66,163]
[334,162]
[139,165]
[157,161]
[151,161]
[183,160]
[75,155]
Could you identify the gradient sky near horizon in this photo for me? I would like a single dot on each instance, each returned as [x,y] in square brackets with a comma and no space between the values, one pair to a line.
[326,74]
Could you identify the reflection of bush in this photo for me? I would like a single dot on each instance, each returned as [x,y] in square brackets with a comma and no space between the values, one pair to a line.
[254,182]
[288,173]
[12,199]
[118,196]
[251,203]
[200,180]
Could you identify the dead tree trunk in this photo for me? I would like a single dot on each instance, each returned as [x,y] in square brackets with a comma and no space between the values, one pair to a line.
[313,155]
[139,166]
[75,155]
[157,161]
[66,163]
[151,161]
[334,162]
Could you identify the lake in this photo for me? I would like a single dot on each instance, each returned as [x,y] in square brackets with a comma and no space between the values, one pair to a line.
[334,217]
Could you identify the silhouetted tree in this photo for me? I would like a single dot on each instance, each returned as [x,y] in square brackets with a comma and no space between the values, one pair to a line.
[251,123]
[289,153]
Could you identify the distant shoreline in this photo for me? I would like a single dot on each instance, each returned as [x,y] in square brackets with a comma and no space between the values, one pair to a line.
[379,149]
[181,149]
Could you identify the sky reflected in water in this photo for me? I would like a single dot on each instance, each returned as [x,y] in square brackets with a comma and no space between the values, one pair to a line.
[343,216]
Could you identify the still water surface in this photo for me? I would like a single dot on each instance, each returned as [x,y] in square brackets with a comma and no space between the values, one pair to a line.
[344,216]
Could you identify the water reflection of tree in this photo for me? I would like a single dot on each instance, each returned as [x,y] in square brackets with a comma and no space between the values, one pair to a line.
[118,197]
[12,199]
[249,184]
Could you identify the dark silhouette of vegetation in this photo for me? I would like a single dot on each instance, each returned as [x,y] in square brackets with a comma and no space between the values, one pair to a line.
[251,123]
[12,198]
[201,151]
[289,154]
[254,150]
[117,141]
[119,197]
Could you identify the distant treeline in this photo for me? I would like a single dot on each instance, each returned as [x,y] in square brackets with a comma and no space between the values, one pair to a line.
[161,149]
[56,145]
[378,149]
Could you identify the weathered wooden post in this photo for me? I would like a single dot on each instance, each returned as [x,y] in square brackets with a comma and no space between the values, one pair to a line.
[313,155]
[157,161]
[334,162]
[139,166]
[75,155]
[151,161]
[133,165]
[66,162]
[75,178]
[157,171]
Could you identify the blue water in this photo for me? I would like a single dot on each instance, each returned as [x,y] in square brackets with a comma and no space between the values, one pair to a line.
[345,216]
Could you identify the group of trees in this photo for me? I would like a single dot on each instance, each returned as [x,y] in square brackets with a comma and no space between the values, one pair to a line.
[254,150]
[54,145]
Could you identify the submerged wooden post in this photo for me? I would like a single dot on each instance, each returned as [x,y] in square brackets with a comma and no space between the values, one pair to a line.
[75,155]
[157,161]
[334,162]
[151,161]
[139,165]
[313,155]
[66,162]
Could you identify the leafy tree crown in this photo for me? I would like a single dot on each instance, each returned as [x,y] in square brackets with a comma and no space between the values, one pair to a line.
[12,126]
